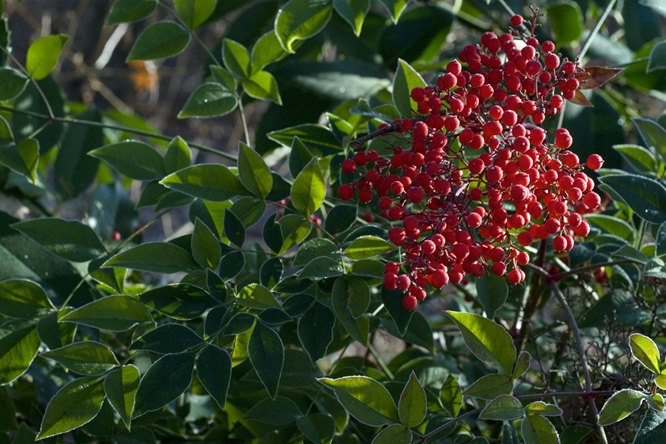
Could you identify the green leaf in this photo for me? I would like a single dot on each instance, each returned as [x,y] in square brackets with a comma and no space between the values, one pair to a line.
[657,60]
[132,158]
[125,11]
[365,399]
[168,338]
[644,196]
[318,139]
[214,371]
[487,340]
[257,296]
[249,210]
[541,408]
[157,257]
[239,323]
[492,291]
[295,228]
[656,401]
[22,157]
[315,330]
[271,271]
[652,428]
[503,408]
[645,351]
[620,405]
[70,240]
[206,248]
[299,156]
[21,298]
[163,382]
[392,300]
[115,313]
[43,55]
[301,19]
[618,306]
[353,12]
[308,190]
[213,182]
[395,8]
[266,50]
[278,411]
[74,405]
[343,290]
[566,20]
[253,172]
[232,264]
[263,86]
[266,353]
[318,427]
[321,268]
[367,246]
[12,83]
[87,358]
[224,78]
[120,388]
[451,396]
[209,100]
[522,365]
[158,41]
[393,434]
[195,12]
[55,334]
[641,159]
[538,430]
[236,58]
[19,343]
[178,155]
[316,248]
[660,380]
[413,405]
[490,387]
[406,78]
[74,170]
[340,218]
[613,225]
[653,134]
[178,301]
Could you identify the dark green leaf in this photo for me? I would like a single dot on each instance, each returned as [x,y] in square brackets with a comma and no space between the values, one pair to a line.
[87,358]
[43,55]
[278,411]
[22,157]
[343,290]
[239,323]
[487,340]
[178,155]
[223,77]
[613,225]
[393,434]
[120,388]
[653,134]
[256,296]
[645,196]
[451,396]
[124,11]
[295,228]
[394,8]
[26,126]
[19,343]
[115,313]
[209,100]
[205,246]
[158,257]
[236,58]
[301,19]
[21,298]
[249,210]
[212,182]
[164,381]
[168,338]
[353,12]
[315,330]
[299,156]
[232,264]
[74,405]
[12,83]
[509,433]
[308,190]
[657,60]
[321,268]
[54,333]
[271,272]
[262,85]
[195,12]
[266,354]
[159,40]
[214,371]
[365,399]
[413,404]
[392,300]
[340,218]
[503,408]
[179,301]
[70,240]
[253,171]
[490,387]
[406,78]
[538,430]
[618,307]
[492,291]
[641,159]
[318,139]
[566,20]
[132,158]
[522,365]
[652,428]
[272,234]
[316,248]
[367,246]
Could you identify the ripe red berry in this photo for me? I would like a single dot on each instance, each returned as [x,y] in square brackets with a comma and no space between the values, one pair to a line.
[365,195]
[516,20]
[348,166]
[595,161]
[409,303]
[346,192]
[115,236]
[552,61]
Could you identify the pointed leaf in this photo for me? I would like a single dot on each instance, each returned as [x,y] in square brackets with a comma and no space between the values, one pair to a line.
[253,171]
[267,50]
[365,399]
[278,411]
[394,8]
[266,353]
[342,292]
[205,246]
[652,428]
[595,76]
[212,182]
[492,291]
[406,78]
[538,430]
[195,12]
[301,19]
[451,396]
[214,371]
[158,257]
[158,41]
[295,228]
[620,405]
[74,405]
[487,340]
[19,343]
[353,12]
[125,11]
[22,157]
[645,196]
[318,139]
[393,434]
[120,388]
[645,351]
[490,387]
[168,338]
[262,85]
[132,158]
[43,55]
[236,58]
[580,99]
[12,83]
[541,408]
[657,60]
[178,301]
[178,155]
[522,364]
[653,134]
[340,218]
[21,298]
[163,382]
[115,313]
[321,268]
[257,296]
[413,405]
[367,246]
[87,358]
[566,20]
[308,190]
[503,408]
[209,100]
[299,156]
[314,248]
[315,330]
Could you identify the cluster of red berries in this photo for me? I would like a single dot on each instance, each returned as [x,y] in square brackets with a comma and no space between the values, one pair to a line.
[472,179]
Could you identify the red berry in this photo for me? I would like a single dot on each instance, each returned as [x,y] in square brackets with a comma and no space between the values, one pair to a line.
[595,161]
[516,20]
[346,192]
[409,302]
[348,166]
[365,195]
[115,236]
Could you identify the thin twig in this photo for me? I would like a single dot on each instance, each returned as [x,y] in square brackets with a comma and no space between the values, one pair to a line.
[358,143]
